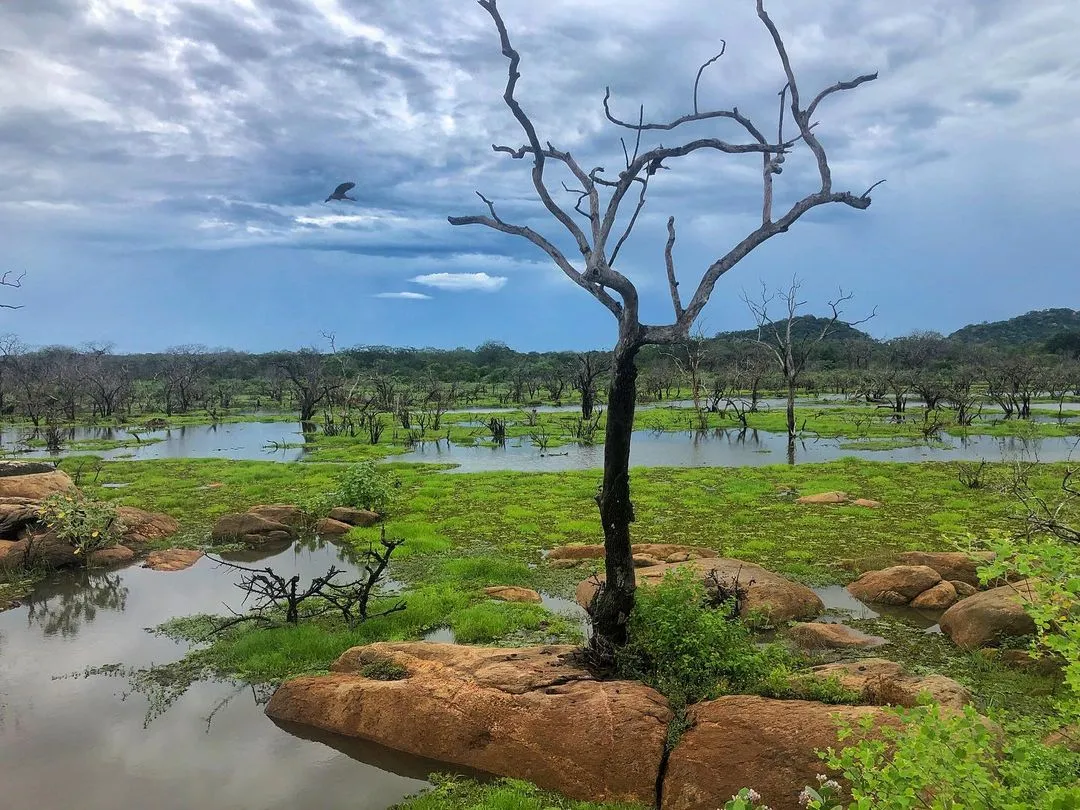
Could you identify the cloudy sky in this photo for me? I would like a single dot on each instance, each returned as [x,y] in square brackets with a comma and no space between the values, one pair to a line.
[163,165]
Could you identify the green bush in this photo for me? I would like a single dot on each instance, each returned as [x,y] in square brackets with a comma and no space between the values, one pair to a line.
[366,486]
[685,648]
[941,760]
[383,669]
[457,793]
[86,524]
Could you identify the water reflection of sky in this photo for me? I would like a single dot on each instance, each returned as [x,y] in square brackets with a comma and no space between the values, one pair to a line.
[73,742]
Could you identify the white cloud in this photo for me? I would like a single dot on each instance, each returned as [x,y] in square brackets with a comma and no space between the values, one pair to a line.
[458,282]
[410,296]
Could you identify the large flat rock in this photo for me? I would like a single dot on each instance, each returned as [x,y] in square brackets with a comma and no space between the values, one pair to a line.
[749,741]
[776,598]
[987,618]
[524,713]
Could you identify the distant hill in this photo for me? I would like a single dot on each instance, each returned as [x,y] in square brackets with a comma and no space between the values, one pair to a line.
[805,326]
[1037,326]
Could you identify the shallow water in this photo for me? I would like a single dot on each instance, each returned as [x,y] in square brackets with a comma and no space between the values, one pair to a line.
[725,448]
[74,742]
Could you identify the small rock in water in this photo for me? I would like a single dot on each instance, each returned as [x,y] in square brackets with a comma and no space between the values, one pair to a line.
[172,559]
[826,636]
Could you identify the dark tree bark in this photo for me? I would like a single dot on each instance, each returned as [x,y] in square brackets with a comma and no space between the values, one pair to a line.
[598,202]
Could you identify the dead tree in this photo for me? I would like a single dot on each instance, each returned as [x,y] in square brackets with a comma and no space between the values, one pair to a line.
[598,198]
[791,345]
[590,367]
[8,279]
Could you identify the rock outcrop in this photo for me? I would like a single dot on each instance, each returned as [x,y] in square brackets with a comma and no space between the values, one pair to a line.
[287,513]
[950,565]
[768,594]
[172,559]
[940,597]
[328,527]
[987,618]
[825,497]
[894,586]
[355,517]
[36,485]
[251,529]
[512,593]
[115,555]
[143,527]
[529,713]
[885,683]
[748,741]
[829,636]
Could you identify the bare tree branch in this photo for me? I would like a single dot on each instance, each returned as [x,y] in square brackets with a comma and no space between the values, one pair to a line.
[669,260]
[697,81]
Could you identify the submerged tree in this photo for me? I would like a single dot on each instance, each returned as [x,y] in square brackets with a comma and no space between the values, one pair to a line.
[790,342]
[598,200]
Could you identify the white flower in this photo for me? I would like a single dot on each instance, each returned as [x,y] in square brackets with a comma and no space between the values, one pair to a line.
[821,778]
[805,797]
[753,795]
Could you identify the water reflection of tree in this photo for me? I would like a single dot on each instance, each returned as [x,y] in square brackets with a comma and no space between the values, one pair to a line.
[76,601]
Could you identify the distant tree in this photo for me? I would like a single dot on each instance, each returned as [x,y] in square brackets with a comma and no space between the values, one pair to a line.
[789,349]
[306,371]
[107,379]
[590,367]
[1067,343]
[593,265]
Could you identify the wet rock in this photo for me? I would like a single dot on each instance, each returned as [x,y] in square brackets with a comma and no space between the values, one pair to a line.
[172,559]
[116,555]
[143,527]
[768,594]
[988,618]
[748,741]
[963,590]
[355,517]
[290,515]
[885,683]
[950,565]
[894,586]
[512,593]
[827,636]
[525,713]
[44,549]
[941,597]
[825,497]
[664,552]
[868,503]
[328,527]
[35,486]
[250,529]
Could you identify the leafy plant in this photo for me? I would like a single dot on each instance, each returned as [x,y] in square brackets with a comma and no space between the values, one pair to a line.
[383,669]
[686,647]
[366,486]
[86,524]
[942,760]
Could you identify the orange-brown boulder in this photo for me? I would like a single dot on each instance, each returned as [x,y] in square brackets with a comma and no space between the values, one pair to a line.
[829,636]
[143,527]
[867,503]
[989,617]
[950,565]
[524,713]
[286,513]
[749,741]
[963,590]
[941,597]
[645,561]
[172,559]
[44,549]
[894,586]
[34,486]
[115,555]
[355,517]
[768,594]
[825,497]
[329,527]
[250,529]
[512,593]
[885,683]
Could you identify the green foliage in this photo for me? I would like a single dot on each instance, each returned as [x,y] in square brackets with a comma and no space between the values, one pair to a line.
[943,760]
[1052,570]
[366,486]
[684,648]
[511,622]
[458,793]
[86,524]
[383,669]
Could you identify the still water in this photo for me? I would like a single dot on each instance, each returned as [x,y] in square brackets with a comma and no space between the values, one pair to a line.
[77,742]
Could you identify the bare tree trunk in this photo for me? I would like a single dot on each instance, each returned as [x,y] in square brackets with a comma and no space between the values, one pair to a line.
[611,611]
[791,409]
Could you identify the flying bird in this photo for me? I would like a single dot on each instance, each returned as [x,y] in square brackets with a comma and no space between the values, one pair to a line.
[339,193]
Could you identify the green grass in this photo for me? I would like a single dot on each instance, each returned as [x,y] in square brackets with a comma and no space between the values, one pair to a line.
[458,793]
